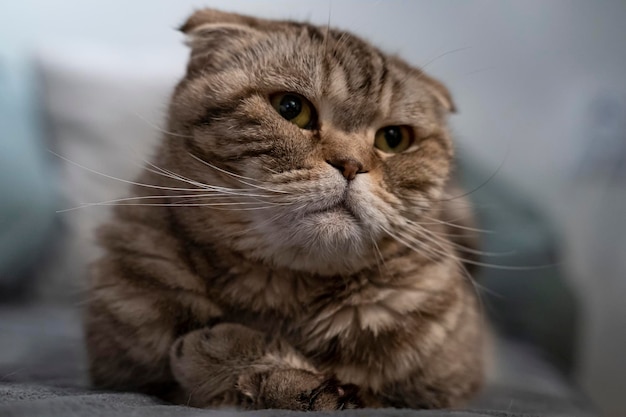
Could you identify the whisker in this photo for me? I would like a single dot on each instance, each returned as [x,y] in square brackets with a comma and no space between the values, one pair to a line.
[483,264]
[431,61]
[479,70]
[380,260]
[190,198]
[440,252]
[431,235]
[232,174]
[326,35]
[169,174]
[158,128]
[488,180]
[257,201]
[242,209]
[458,226]
[407,244]
[452,51]
[216,188]
[476,287]
[159,187]
[180,204]
[240,178]
[164,173]
[446,255]
[273,171]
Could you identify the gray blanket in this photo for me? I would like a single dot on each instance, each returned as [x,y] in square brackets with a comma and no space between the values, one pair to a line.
[43,373]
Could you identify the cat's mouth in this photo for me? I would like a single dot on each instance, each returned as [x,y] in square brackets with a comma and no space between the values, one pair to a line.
[336,207]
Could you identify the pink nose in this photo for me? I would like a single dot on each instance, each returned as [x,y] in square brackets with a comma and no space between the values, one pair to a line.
[347,166]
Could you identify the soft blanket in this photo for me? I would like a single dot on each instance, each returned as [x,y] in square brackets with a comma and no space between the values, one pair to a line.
[43,373]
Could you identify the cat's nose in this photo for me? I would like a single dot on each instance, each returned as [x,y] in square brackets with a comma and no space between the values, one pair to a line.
[347,166]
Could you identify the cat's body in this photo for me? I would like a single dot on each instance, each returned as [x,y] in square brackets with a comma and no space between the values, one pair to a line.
[322,274]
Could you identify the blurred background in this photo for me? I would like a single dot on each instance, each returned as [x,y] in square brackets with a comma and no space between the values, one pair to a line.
[541,127]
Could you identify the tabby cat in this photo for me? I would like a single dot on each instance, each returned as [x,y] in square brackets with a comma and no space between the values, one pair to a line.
[292,243]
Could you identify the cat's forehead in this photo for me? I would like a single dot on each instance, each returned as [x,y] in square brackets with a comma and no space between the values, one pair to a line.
[352,84]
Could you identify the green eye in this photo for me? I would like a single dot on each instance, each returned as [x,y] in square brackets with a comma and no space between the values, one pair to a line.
[394,139]
[294,108]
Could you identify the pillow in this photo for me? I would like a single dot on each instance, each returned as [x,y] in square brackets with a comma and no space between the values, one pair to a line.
[103,109]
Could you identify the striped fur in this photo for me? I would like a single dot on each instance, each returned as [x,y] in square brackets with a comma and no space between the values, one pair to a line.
[311,292]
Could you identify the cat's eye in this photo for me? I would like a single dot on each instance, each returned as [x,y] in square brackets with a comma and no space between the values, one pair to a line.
[394,139]
[294,108]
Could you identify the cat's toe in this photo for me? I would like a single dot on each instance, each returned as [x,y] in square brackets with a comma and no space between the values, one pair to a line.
[330,395]
[350,397]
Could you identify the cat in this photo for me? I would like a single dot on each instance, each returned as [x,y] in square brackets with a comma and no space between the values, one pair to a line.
[292,244]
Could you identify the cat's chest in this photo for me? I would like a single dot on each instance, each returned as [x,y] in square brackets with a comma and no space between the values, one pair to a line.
[361,334]
[261,293]
[314,314]
[356,319]
[354,328]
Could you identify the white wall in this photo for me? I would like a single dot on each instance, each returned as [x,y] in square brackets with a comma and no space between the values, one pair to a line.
[526,86]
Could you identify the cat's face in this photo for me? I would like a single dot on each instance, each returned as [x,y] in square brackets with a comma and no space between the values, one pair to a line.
[331,144]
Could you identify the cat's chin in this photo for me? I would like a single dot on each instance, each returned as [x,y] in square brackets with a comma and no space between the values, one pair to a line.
[325,242]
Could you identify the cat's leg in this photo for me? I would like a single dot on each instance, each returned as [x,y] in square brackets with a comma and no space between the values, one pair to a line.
[130,330]
[230,364]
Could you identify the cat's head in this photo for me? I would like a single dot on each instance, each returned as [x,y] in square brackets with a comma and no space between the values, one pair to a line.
[317,145]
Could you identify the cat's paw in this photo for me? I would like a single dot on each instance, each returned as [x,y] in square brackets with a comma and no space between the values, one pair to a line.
[330,395]
[222,344]
[203,362]
[296,389]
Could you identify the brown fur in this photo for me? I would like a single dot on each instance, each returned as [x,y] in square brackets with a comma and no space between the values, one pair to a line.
[304,289]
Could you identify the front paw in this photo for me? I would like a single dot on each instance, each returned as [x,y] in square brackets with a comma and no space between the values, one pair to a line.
[222,344]
[296,389]
[204,362]
[330,395]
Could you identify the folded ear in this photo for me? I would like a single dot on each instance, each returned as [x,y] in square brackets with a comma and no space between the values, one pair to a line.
[214,35]
[440,92]
[204,18]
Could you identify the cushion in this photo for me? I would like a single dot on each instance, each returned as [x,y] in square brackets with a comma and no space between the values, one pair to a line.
[104,109]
